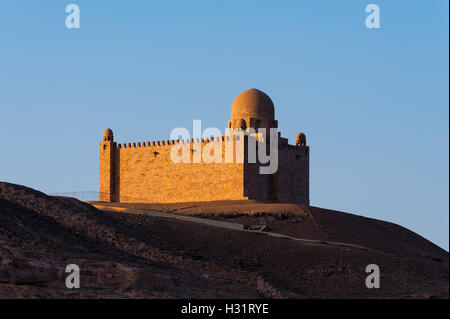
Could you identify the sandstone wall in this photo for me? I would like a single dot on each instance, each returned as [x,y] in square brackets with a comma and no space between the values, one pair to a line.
[107,149]
[147,174]
[291,182]
[144,172]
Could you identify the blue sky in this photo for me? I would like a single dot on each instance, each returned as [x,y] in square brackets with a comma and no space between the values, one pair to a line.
[373,103]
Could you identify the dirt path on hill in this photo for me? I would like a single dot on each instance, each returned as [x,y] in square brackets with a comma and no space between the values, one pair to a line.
[224,225]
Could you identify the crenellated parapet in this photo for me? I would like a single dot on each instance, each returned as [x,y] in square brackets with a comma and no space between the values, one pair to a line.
[170,143]
[282,144]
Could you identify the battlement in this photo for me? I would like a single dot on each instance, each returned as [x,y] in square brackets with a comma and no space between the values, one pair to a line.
[283,144]
[290,147]
[163,143]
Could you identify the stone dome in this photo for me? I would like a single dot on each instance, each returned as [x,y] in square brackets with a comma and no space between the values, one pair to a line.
[253,103]
[300,139]
[108,135]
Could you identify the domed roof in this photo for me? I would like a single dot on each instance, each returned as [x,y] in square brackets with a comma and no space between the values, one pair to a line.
[108,133]
[252,103]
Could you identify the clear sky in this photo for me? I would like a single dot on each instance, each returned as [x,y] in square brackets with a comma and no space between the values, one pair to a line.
[372,102]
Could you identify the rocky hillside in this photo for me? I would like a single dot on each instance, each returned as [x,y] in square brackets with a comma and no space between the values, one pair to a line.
[124,255]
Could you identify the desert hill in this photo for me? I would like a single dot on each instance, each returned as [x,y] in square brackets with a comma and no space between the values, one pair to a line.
[128,255]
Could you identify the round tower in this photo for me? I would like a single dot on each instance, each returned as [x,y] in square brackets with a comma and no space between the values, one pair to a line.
[108,135]
[107,167]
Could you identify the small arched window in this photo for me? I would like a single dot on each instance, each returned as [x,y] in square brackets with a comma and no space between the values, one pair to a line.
[242,124]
